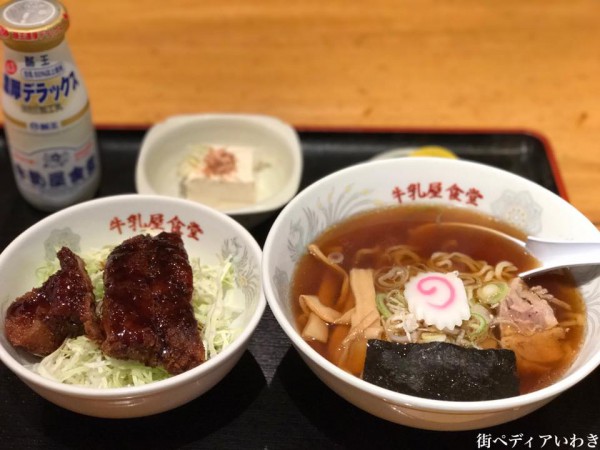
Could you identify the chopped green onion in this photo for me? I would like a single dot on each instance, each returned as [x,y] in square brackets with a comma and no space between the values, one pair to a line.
[479,328]
[493,293]
[381,306]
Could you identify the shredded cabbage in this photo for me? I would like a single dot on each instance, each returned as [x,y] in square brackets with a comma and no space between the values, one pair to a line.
[80,361]
[218,305]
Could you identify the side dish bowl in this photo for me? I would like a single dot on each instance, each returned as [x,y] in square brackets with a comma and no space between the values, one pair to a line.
[277,157]
[510,198]
[206,234]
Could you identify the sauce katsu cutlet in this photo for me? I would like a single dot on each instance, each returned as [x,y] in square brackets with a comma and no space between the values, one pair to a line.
[40,320]
[147,313]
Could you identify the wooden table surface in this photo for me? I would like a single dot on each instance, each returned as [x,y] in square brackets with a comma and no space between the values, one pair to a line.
[349,63]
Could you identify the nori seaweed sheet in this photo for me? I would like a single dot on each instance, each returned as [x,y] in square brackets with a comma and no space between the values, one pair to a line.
[442,371]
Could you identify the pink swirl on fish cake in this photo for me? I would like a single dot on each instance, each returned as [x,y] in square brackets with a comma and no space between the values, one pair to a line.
[438,299]
[431,291]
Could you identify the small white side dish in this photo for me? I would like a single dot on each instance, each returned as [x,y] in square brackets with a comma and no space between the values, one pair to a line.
[206,233]
[513,199]
[277,154]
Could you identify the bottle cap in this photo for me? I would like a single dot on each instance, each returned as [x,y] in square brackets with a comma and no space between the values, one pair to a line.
[33,25]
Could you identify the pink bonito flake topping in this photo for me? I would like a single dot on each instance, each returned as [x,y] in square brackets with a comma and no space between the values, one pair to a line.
[438,299]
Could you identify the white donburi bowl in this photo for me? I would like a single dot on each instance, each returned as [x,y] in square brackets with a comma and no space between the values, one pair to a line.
[511,198]
[206,233]
[276,145]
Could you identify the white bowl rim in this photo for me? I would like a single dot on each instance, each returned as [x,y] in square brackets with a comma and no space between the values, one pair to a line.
[274,124]
[157,386]
[396,398]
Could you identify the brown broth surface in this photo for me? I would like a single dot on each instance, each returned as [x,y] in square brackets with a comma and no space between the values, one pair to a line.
[415,225]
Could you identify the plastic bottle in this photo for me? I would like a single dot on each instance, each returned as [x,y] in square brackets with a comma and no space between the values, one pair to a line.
[47,118]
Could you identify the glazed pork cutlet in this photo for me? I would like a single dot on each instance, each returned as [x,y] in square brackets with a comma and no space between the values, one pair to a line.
[40,320]
[147,313]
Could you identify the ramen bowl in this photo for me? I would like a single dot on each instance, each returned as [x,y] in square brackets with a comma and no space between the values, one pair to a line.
[527,206]
[207,234]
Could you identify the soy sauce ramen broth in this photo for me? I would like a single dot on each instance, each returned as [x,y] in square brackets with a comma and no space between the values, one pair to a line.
[405,225]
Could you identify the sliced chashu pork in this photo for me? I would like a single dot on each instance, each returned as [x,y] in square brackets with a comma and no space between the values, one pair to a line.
[528,326]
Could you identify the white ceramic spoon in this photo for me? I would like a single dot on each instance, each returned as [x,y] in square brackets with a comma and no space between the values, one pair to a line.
[557,254]
[552,254]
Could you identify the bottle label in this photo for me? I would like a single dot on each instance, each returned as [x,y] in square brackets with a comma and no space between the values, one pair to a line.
[55,171]
[37,86]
